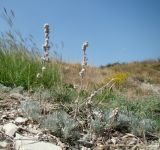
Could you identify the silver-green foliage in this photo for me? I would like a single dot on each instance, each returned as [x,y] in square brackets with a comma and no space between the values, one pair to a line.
[126,121]
[61,124]
[31,108]
[144,126]
[4,88]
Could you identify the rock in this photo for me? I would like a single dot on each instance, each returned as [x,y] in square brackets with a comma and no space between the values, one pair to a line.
[114,140]
[4,117]
[85,148]
[132,141]
[34,131]
[17,96]
[10,129]
[30,143]
[20,120]
[4,144]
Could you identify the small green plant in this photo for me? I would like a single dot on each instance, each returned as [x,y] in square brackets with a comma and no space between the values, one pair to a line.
[19,65]
[63,93]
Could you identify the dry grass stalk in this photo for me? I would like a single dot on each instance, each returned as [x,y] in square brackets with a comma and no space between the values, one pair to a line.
[45,58]
[82,74]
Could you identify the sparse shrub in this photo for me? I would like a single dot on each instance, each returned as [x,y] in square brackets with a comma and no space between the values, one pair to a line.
[146,108]
[63,93]
[141,127]
[118,77]
[97,126]
[148,125]
[31,109]
[4,88]
[61,124]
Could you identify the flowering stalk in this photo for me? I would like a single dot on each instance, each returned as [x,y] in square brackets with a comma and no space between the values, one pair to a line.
[46,43]
[84,61]
[81,74]
[46,48]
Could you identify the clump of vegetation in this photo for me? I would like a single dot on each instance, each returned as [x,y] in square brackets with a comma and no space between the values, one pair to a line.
[61,124]
[32,109]
[22,71]
[63,93]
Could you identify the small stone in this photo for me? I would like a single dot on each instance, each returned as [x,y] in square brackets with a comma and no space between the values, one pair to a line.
[4,116]
[11,115]
[34,131]
[85,148]
[30,126]
[33,144]
[20,120]
[3,144]
[19,111]
[132,141]
[10,129]
[113,140]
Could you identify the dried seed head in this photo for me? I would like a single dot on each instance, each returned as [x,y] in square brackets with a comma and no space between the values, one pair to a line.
[46,35]
[38,75]
[84,46]
[43,69]
[81,74]
[46,26]
[86,43]
[43,58]
[46,40]
[47,59]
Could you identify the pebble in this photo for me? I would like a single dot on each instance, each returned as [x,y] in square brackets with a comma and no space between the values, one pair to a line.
[20,120]
[3,144]
[10,129]
[32,144]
